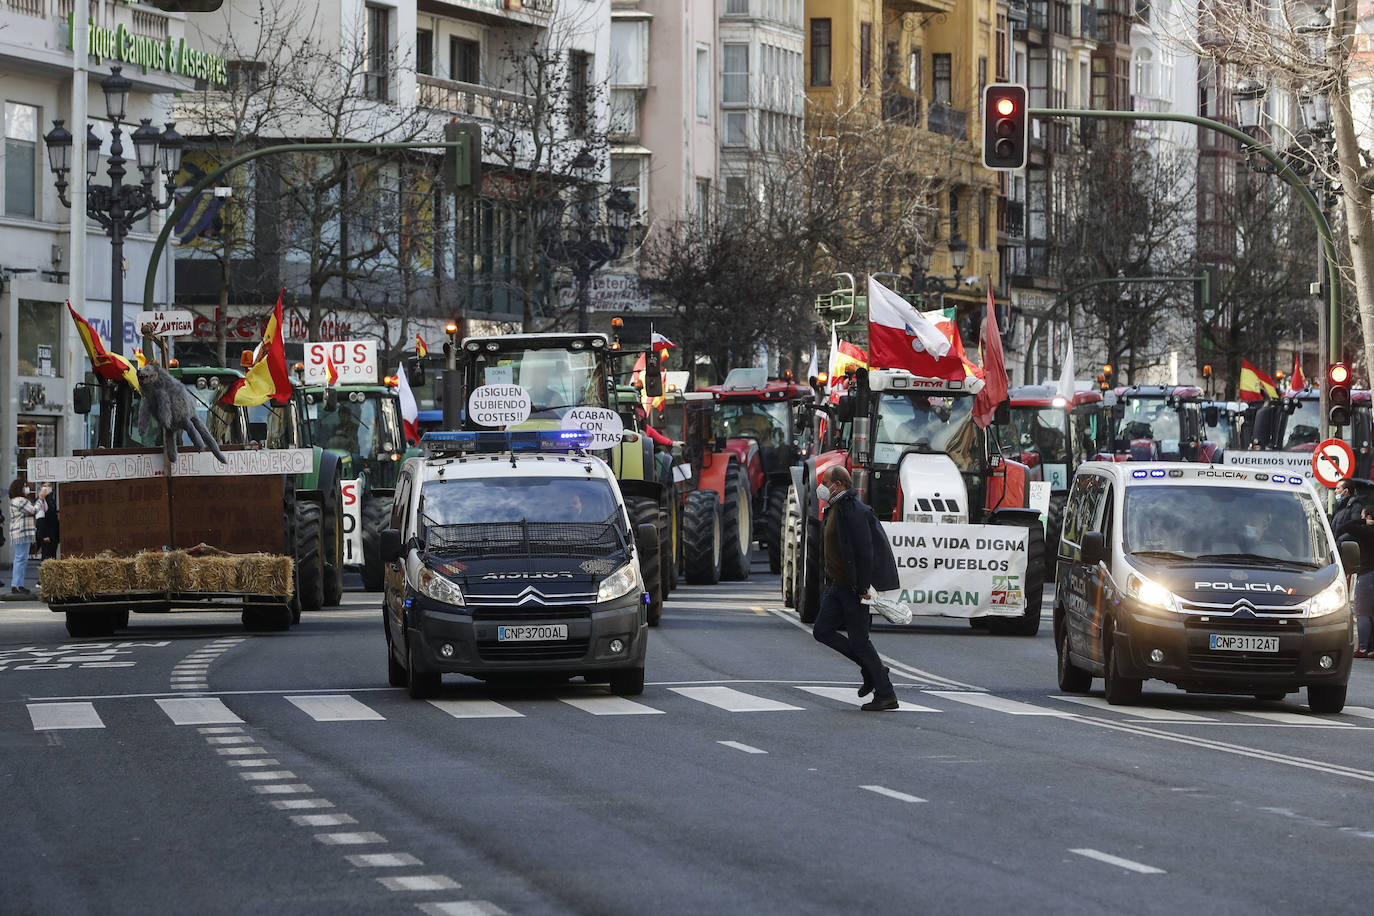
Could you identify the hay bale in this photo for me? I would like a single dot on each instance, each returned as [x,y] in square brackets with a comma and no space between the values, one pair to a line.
[151,571]
[211,574]
[78,577]
[265,574]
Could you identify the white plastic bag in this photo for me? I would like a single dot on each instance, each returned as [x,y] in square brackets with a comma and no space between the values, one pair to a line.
[892,611]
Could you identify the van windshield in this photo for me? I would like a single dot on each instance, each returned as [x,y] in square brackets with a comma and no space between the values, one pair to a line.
[1226,523]
[520,499]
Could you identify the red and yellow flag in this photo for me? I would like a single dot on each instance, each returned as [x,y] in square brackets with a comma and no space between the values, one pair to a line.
[1297,382]
[1254,384]
[105,364]
[421,349]
[267,377]
[140,358]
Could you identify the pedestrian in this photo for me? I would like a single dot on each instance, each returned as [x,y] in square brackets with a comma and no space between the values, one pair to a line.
[24,508]
[1347,508]
[856,562]
[1361,531]
[47,528]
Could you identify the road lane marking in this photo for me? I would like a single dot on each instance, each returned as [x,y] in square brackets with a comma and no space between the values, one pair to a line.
[462,908]
[419,883]
[300,804]
[893,793]
[255,762]
[1002,704]
[230,739]
[611,706]
[361,838]
[1291,718]
[221,730]
[848,696]
[383,860]
[732,700]
[284,788]
[198,711]
[267,776]
[1363,712]
[1119,862]
[1136,712]
[476,709]
[742,747]
[52,716]
[240,751]
[323,820]
[336,708]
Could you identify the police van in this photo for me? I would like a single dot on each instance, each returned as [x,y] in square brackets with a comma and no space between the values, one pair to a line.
[1213,579]
[511,553]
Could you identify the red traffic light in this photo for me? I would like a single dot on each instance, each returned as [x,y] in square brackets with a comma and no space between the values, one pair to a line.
[1339,374]
[1006,107]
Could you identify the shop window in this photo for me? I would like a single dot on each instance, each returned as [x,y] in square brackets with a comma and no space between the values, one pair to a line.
[39,338]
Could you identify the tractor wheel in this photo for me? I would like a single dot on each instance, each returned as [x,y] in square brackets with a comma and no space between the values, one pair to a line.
[808,587]
[737,524]
[1028,624]
[670,547]
[789,555]
[774,517]
[701,537]
[1054,524]
[644,511]
[309,556]
[376,518]
[332,541]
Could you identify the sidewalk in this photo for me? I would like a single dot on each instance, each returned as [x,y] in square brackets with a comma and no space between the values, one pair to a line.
[30,581]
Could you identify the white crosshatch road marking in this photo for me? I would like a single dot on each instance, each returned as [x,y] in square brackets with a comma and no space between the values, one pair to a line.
[419,883]
[198,711]
[341,708]
[52,716]
[1127,864]
[476,709]
[611,706]
[383,860]
[1001,704]
[893,793]
[850,697]
[732,700]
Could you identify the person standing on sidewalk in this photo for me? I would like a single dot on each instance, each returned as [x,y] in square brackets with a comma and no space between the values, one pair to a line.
[1361,530]
[23,510]
[855,562]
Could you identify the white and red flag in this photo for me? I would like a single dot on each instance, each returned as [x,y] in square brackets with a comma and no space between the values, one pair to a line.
[901,337]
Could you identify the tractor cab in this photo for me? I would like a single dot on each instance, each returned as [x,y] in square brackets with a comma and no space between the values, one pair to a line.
[364,423]
[1157,423]
[117,418]
[756,417]
[1053,433]
[1222,423]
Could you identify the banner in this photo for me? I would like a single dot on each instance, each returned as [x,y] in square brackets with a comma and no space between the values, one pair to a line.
[958,570]
[115,466]
[1282,462]
[351,516]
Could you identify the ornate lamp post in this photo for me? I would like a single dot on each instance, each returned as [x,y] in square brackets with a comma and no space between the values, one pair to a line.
[919,262]
[593,244]
[117,206]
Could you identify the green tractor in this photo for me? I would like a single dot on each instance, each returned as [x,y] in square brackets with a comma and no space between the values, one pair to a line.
[360,423]
[562,372]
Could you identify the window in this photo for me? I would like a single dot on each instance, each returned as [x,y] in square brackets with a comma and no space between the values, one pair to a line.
[1001,70]
[1144,73]
[424,51]
[734,83]
[1099,99]
[703,203]
[627,175]
[736,128]
[954,232]
[464,60]
[865,54]
[39,338]
[944,78]
[703,83]
[377,41]
[820,52]
[736,197]
[982,75]
[913,72]
[624,112]
[579,78]
[629,52]
[983,220]
[737,7]
[21,151]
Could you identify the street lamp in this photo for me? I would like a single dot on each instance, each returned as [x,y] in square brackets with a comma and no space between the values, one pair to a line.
[593,245]
[919,262]
[118,206]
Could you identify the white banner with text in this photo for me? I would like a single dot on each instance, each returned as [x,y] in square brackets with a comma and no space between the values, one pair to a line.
[958,570]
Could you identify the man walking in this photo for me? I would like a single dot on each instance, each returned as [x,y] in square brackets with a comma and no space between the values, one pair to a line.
[855,562]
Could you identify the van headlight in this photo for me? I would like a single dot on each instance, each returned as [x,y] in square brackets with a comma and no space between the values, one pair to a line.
[619,583]
[1150,593]
[433,585]
[1330,600]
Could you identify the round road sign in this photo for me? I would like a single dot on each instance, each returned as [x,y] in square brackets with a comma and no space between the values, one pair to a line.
[1332,462]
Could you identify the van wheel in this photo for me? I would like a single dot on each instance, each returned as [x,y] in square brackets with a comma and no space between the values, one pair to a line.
[628,682]
[421,685]
[1072,679]
[395,671]
[1119,691]
[1325,699]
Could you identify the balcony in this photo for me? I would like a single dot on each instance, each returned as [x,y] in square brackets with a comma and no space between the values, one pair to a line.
[471,100]
[1016,219]
[533,12]
[948,120]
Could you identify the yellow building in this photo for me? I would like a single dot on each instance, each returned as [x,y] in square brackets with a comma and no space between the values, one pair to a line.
[922,65]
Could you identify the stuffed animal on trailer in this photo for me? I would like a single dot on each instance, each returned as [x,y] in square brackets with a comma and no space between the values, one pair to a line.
[166,401]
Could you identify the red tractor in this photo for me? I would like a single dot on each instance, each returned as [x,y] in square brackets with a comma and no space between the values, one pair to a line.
[1159,423]
[756,418]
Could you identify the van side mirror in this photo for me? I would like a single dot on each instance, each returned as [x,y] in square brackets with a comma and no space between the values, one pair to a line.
[1350,555]
[391,545]
[1093,547]
[81,399]
[331,399]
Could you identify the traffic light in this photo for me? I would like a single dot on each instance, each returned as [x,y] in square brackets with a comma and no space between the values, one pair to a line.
[1006,127]
[463,164]
[1338,393]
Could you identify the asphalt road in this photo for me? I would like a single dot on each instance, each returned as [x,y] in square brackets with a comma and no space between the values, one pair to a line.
[186,766]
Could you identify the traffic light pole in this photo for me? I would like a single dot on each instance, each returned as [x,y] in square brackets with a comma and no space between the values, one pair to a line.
[1331,342]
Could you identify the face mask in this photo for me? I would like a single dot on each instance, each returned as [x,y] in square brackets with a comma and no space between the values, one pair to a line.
[27,491]
[1251,532]
[822,492]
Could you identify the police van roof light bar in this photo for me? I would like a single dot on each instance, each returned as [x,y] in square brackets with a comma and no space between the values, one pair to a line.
[491,441]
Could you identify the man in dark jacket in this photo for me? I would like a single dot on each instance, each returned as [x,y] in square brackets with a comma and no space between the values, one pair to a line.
[855,562]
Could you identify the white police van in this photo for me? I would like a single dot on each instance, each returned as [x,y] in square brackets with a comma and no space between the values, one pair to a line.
[1213,579]
[511,552]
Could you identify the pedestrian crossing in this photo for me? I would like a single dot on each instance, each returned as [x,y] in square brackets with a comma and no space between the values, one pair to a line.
[753,698]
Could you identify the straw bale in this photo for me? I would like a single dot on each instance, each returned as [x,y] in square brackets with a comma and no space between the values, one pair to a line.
[265,574]
[211,574]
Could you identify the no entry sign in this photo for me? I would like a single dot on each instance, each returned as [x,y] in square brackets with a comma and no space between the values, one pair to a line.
[1333,461]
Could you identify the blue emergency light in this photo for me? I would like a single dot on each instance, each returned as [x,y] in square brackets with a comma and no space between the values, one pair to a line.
[521,440]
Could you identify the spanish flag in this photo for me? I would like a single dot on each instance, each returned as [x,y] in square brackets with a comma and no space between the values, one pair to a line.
[420,348]
[267,377]
[107,365]
[1254,384]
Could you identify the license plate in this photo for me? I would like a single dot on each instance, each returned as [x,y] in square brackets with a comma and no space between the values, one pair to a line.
[532,633]
[1230,643]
